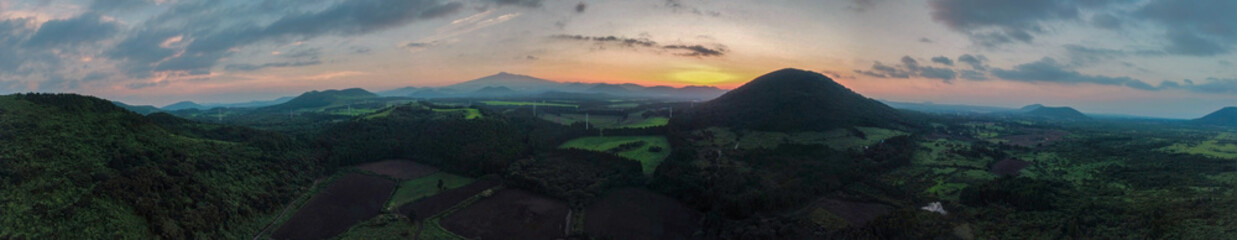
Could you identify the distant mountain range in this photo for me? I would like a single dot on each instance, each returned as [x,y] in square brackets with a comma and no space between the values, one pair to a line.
[793,100]
[515,85]
[1054,113]
[251,104]
[1224,117]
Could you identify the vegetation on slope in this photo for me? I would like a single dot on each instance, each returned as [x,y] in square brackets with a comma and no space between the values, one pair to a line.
[79,167]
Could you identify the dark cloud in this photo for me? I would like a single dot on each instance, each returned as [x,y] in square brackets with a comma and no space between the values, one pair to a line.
[977,62]
[1106,21]
[303,53]
[972,75]
[208,43]
[925,40]
[85,28]
[881,70]
[1213,85]
[1050,71]
[910,63]
[524,3]
[109,5]
[417,45]
[1086,56]
[12,33]
[1195,28]
[630,42]
[862,5]
[943,60]
[992,23]
[580,7]
[688,50]
[252,67]
[943,74]
[697,50]
[531,57]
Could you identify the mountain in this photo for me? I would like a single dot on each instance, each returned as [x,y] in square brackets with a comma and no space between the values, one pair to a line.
[1225,117]
[142,109]
[398,92]
[523,85]
[946,108]
[1056,113]
[80,167]
[613,89]
[793,100]
[251,104]
[512,81]
[183,105]
[317,99]
[498,91]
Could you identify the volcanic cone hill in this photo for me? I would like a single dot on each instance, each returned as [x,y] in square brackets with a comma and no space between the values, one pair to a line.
[792,100]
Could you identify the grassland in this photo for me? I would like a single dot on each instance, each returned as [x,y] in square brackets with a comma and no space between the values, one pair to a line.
[633,120]
[1221,146]
[649,160]
[539,104]
[412,190]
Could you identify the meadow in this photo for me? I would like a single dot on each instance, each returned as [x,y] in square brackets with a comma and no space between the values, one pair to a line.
[651,150]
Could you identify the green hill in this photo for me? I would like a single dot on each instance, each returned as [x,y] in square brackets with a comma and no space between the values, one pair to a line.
[322,99]
[792,100]
[76,167]
[1055,113]
[143,109]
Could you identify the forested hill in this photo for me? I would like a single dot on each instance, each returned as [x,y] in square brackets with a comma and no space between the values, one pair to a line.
[792,100]
[77,167]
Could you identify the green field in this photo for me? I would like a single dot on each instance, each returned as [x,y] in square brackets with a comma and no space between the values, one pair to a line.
[648,160]
[469,113]
[1219,147]
[633,120]
[412,190]
[539,104]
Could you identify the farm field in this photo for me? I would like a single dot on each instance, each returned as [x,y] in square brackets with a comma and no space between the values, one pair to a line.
[399,169]
[510,214]
[437,203]
[637,213]
[1223,145]
[412,190]
[650,151]
[349,200]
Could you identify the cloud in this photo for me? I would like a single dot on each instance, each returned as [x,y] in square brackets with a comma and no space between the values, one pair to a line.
[580,7]
[972,75]
[629,42]
[975,61]
[208,41]
[697,50]
[1213,85]
[1048,70]
[992,23]
[881,70]
[943,74]
[925,40]
[252,67]
[523,3]
[862,5]
[1194,28]
[943,60]
[1086,56]
[687,50]
[85,28]
[1106,21]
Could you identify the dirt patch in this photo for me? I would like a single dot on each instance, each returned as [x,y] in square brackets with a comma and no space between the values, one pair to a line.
[855,213]
[510,214]
[1036,138]
[349,200]
[637,213]
[431,205]
[399,169]
[1009,167]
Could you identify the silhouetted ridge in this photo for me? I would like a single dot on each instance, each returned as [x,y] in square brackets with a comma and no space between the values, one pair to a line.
[1060,113]
[793,100]
[315,99]
[1226,117]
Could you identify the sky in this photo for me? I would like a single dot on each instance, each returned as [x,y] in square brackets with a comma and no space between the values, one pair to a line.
[1158,58]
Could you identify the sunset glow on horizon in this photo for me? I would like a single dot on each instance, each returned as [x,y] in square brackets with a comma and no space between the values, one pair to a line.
[943,51]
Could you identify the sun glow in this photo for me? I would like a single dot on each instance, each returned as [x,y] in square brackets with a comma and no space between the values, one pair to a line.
[705,77]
